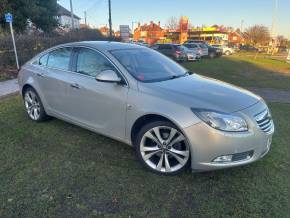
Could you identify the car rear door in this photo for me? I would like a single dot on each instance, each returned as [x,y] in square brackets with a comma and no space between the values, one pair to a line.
[97,105]
[52,79]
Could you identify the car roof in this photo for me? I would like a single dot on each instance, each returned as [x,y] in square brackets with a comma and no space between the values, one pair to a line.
[103,45]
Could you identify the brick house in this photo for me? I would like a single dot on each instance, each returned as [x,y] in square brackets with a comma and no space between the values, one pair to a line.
[236,37]
[149,33]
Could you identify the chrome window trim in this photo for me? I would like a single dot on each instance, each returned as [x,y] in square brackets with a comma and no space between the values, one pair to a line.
[68,71]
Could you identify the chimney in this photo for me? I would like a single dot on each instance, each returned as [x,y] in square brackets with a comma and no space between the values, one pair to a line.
[151,23]
[139,24]
[159,23]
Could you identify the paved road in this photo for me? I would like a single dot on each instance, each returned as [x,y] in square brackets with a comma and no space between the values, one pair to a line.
[270,95]
[8,87]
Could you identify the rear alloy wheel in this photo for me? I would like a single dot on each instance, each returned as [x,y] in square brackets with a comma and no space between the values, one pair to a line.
[33,105]
[162,148]
[211,55]
[227,53]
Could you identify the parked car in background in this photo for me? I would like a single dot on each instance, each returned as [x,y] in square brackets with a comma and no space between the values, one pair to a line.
[204,49]
[248,48]
[201,48]
[195,47]
[173,119]
[214,52]
[173,51]
[192,55]
[195,41]
[225,49]
[139,42]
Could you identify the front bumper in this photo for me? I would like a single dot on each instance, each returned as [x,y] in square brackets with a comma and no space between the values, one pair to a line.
[192,57]
[208,143]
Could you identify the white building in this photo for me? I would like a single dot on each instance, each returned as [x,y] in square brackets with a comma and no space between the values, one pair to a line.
[64,18]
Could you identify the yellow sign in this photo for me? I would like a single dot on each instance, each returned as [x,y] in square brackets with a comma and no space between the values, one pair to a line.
[183,29]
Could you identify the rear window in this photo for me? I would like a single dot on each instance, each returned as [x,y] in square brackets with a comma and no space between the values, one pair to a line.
[59,58]
[165,47]
[178,47]
[202,45]
[190,45]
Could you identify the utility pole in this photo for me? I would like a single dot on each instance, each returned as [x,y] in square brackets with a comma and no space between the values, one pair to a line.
[110,20]
[133,26]
[72,15]
[242,25]
[274,19]
[273,38]
[85,13]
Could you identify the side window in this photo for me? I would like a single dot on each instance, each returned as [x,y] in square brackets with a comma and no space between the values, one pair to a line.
[43,60]
[59,58]
[91,63]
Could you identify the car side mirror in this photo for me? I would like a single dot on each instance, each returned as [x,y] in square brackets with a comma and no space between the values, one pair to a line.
[108,76]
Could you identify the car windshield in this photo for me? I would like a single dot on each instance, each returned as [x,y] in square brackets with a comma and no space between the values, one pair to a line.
[147,65]
[202,45]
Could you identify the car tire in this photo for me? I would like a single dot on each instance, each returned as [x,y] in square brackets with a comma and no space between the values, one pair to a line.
[212,55]
[227,53]
[33,105]
[162,148]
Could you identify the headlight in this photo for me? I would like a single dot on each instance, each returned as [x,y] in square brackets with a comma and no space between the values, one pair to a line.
[221,121]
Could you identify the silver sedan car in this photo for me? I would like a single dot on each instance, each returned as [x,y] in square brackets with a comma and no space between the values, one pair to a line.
[173,118]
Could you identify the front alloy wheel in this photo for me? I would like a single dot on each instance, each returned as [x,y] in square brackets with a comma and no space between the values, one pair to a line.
[163,148]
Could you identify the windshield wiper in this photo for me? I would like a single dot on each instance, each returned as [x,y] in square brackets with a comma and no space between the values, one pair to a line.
[182,75]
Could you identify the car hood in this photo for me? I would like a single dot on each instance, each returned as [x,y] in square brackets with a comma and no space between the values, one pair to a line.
[202,92]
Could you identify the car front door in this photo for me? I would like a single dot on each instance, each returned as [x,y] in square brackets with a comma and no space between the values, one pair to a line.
[97,105]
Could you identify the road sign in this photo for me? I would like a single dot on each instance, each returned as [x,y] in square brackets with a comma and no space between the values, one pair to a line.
[125,33]
[288,57]
[8,18]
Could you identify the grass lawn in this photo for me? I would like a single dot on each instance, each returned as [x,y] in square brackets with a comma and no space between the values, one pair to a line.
[245,70]
[55,169]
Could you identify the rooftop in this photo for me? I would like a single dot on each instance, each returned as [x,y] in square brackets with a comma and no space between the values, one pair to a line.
[63,11]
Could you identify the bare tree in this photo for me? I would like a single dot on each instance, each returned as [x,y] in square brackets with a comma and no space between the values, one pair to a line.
[282,41]
[257,35]
[172,23]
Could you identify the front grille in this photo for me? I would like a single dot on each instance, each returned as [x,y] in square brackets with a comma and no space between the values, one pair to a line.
[264,121]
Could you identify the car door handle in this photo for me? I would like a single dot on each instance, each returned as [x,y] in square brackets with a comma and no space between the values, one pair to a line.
[40,74]
[75,85]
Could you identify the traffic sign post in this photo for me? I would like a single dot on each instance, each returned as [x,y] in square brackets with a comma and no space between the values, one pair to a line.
[9,19]
[288,57]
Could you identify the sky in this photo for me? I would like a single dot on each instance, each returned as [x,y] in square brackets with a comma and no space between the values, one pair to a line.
[199,12]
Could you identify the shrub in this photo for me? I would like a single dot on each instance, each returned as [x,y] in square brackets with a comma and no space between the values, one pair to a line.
[29,45]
